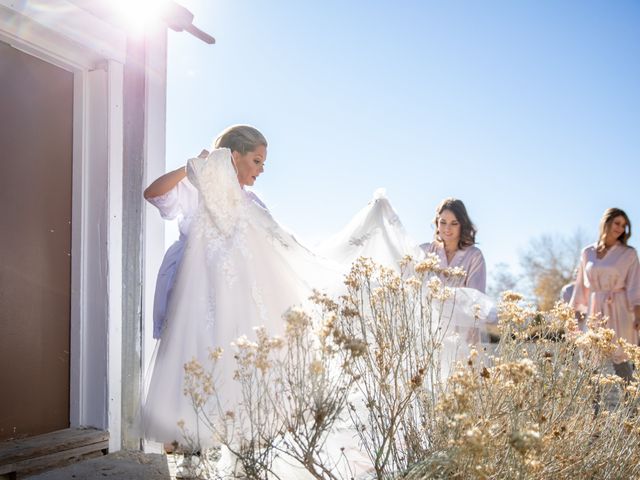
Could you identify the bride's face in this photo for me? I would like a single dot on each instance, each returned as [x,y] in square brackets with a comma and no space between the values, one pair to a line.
[250,165]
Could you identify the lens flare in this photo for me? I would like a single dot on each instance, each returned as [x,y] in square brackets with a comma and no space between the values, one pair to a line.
[137,14]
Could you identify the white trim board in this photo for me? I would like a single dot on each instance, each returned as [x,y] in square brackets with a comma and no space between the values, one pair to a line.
[59,29]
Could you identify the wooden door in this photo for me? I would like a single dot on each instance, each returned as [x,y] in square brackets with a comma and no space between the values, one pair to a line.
[36,127]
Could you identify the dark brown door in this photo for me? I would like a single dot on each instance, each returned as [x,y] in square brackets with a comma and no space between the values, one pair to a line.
[36,121]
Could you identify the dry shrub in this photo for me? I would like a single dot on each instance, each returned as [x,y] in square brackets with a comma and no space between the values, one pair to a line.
[542,406]
[539,404]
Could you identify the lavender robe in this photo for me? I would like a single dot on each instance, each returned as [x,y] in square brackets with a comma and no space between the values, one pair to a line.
[470,259]
[179,204]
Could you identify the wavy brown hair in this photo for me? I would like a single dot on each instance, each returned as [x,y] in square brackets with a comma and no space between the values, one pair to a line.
[605,225]
[467,228]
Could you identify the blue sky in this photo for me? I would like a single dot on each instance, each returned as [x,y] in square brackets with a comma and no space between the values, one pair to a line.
[528,111]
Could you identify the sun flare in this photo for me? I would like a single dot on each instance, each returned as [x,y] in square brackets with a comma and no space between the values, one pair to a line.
[137,14]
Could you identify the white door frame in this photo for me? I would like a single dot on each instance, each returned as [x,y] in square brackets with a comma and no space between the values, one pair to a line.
[96,270]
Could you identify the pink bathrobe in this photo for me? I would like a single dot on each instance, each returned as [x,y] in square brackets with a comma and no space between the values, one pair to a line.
[470,259]
[610,286]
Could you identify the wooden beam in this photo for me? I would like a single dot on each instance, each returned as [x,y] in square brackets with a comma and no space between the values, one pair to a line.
[43,452]
[135,110]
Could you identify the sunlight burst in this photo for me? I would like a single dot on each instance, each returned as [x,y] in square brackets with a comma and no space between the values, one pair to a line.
[139,13]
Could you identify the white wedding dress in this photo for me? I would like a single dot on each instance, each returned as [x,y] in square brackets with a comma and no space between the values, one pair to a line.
[239,270]
[375,232]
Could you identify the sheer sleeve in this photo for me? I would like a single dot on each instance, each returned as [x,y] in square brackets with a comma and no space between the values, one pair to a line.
[477,273]
[176,201]
[632,283]
[580,298]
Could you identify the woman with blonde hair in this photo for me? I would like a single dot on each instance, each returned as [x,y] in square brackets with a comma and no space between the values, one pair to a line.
[239,270]
[608,283]
[176,198]
[454,242]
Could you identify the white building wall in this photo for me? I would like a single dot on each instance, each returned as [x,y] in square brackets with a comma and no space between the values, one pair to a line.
[114,250]
[60,32]
[155,163]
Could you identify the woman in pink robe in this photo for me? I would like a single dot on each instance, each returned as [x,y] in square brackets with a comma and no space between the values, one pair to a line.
[608,283]
[454,242]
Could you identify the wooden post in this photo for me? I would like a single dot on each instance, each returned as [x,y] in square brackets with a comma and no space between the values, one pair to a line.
[132,247]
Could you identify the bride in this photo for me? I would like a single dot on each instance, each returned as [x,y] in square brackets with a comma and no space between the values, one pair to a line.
[239,270]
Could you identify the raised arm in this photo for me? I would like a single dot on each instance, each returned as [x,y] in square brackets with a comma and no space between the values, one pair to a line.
[166,182]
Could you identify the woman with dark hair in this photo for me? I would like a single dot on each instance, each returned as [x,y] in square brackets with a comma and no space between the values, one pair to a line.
[454,242]
[608,283]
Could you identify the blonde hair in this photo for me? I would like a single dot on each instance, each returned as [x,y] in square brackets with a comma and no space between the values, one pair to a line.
[240,138]
[605,225]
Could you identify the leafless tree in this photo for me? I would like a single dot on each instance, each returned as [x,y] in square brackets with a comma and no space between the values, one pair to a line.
[549,263]
[501,279]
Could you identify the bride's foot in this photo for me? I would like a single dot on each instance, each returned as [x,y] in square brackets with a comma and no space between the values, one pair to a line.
[175,448]
[170,447]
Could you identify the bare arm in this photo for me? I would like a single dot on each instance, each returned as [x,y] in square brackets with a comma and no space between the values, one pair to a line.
[636,313]
[166,182]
